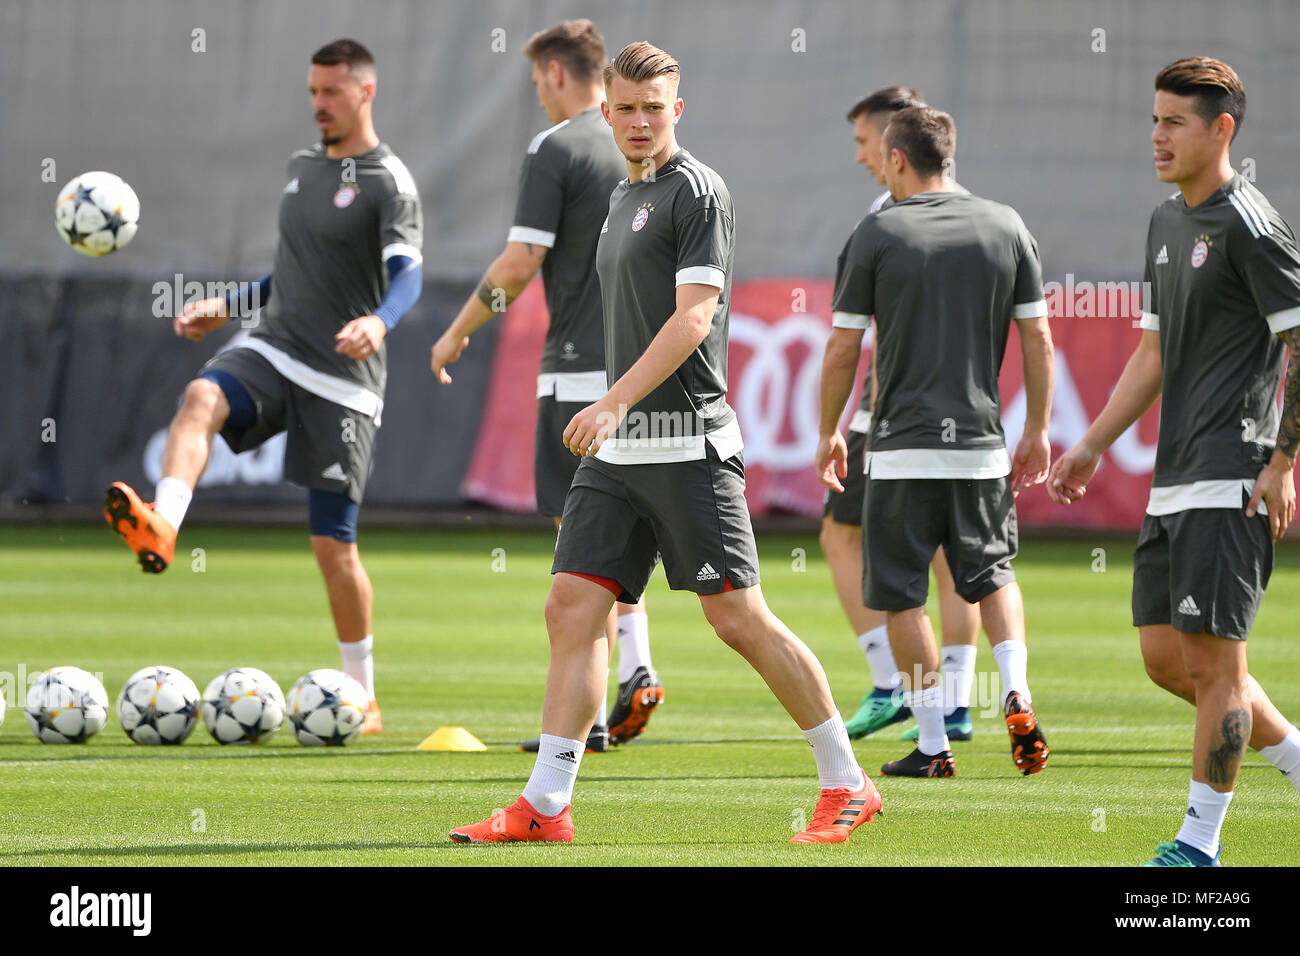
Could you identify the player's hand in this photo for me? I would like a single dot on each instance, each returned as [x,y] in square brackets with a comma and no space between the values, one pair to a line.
[1029,463]
[1276,487]
[588,429]
[445,351]
[832,460]
[1068,480]
[200,317]
[360,338]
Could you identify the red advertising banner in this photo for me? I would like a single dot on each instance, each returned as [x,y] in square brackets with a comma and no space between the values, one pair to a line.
[779,329]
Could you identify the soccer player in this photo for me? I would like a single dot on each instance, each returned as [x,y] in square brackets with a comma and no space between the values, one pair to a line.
[944,273]
[841,535]
[661,469]
[568,174]
[347,268]
[1223,280]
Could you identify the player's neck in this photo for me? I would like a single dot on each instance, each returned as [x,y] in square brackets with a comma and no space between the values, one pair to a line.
[914,185]
[579,104]
[638,170]
[1206,182]
[362,140]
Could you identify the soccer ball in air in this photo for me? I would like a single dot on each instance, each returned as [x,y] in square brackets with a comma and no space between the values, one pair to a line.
[97,213]
[158,705]
[242,706]
[66,705]
[327,708]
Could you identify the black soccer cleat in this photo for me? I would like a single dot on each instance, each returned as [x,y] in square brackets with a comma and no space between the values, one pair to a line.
[918,764]
[638,696]
[597,741]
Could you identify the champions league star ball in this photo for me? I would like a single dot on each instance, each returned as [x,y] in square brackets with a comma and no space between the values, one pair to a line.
[327,708]
[66,705]
[158,705]
[242,706]
[97,213]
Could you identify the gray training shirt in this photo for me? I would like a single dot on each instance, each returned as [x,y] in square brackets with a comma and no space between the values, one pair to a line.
[340,220]
[943,273]
[673,229]
[564,190]
[1224,280]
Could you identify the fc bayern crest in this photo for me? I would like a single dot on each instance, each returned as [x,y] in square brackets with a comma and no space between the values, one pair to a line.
[1200,252]
[640,219]
[347,192]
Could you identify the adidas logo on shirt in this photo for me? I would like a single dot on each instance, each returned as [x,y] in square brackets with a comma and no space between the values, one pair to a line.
[567,755]
[1191,812]
[334,472]
[292,186]
[1162,257]
[707,573]
[1188,606]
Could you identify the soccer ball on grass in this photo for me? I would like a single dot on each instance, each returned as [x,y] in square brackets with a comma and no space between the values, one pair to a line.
[66,705]
[158,705]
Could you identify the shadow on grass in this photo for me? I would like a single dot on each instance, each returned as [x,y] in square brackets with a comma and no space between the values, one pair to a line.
[227,849]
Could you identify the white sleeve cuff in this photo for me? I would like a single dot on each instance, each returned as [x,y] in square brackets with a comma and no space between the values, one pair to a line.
[849,320]
[702,275]
[1286,319]
[1030,310]
[402,249]
[537,237]
[1150,321]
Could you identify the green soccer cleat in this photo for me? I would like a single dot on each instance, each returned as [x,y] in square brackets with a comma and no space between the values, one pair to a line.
[956,725]
[1178,853]
[878,709]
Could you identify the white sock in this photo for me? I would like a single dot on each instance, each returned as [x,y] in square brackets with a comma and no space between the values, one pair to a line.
[927,708]
[836,765]
[1013,663]
[633,644]
[958,674]
[1286,756]
[359,662]
[880,657]
[1206,808]
[171,500]
[550,788]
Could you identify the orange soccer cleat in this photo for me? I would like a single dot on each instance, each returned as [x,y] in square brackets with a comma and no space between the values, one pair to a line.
[518,823]
[145,531]
[841,811]
[1028,745]
[374,722]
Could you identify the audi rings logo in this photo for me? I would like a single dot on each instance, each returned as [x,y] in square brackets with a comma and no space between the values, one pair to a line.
[775,393]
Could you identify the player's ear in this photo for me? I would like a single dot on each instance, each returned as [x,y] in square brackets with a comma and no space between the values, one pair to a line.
[678,105]
[1225,127]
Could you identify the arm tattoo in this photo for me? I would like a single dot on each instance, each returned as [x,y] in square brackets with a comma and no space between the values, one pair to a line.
[493,296]
[1288,433]
[1223,761]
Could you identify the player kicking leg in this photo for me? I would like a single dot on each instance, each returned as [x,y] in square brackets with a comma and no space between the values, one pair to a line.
[311,368]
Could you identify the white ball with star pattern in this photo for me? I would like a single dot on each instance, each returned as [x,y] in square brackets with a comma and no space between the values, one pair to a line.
[158,705]
[242,706]
[97,213]
[327,708]
[66,705]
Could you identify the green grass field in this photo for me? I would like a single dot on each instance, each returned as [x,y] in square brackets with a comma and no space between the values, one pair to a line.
[721,777]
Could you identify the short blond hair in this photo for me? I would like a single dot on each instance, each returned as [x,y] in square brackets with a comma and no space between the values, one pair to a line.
[642,61]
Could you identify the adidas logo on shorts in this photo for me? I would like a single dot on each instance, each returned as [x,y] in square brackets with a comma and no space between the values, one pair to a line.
[334,472]
[1188,606]
[707,573]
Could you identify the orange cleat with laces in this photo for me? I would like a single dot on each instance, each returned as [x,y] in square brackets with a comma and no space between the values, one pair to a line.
[841,811]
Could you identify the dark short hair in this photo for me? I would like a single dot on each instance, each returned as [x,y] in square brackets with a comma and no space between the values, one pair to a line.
[346,51]
[889,100]
[574,43]
[642,61]
[1215,85]
[925,135]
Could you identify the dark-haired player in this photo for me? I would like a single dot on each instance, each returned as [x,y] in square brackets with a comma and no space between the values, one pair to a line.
[347,268]
[662,472]
[841,534]
[1223,272]
[938,472]
[568,174]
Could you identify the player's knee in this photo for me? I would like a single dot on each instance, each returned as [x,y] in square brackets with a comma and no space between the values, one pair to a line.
[1172,679]
[204,401]
[835,538]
